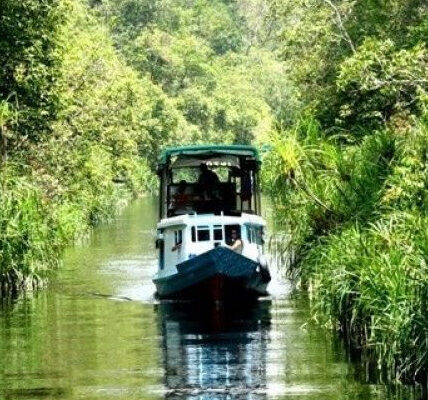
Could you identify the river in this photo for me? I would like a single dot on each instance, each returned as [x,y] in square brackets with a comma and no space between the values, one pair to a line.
[97,333]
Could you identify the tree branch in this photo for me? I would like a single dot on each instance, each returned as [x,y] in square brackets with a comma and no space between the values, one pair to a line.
[341,25]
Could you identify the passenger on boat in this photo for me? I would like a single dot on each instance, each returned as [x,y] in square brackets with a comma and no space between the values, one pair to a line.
[181,200]
[208,183]
[237,244]
[181,197]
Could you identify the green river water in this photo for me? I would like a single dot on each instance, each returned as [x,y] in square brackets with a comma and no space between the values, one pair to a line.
[97,333]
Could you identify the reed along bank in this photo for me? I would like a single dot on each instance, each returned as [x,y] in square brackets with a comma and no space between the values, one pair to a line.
[357,214]
[348,172]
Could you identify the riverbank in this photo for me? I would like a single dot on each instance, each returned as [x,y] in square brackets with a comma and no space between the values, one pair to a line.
[72,125]
[349,172]
[35,228]
[358,217]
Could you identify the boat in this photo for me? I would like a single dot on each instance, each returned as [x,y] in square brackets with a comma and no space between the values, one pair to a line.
[210,234]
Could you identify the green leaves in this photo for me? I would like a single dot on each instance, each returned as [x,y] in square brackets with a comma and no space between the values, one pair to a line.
[356,63]
[356,212]
[374,281]
[31,57]
[380,80]
[192,53]
[352,193]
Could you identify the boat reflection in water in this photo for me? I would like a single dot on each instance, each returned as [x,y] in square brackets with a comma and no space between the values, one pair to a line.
[214,353]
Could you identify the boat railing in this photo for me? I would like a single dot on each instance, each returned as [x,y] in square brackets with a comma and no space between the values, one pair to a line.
[223,199]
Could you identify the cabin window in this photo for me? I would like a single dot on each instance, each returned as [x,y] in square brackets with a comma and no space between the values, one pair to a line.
[200,233]
[250,233]
[228,231]
[203,233]
[218,232]
[255,234]
[178,237]
[160,244]
[259,235]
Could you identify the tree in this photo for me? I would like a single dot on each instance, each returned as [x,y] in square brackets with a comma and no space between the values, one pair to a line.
[31,54]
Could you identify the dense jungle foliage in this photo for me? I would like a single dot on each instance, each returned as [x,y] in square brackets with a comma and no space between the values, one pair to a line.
[350,175]
[90,90]
[89,93]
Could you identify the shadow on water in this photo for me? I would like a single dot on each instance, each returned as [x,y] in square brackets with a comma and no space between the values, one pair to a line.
[214,352]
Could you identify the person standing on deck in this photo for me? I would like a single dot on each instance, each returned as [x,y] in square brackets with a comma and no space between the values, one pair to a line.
[208,182]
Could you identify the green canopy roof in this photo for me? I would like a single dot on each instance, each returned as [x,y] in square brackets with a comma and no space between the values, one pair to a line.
[207,150]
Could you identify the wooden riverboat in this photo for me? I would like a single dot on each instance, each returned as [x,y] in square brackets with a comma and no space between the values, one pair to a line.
[210,233]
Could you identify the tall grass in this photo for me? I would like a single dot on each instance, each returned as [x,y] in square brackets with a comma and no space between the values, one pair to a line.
[28,244]
[40,215]
[373,284]
[357,214]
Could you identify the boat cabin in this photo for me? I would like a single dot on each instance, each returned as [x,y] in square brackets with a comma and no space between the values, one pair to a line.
[208,194]
[209,180]
[187,236]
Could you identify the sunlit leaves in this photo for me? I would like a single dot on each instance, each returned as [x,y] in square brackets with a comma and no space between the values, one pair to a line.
[382,79]
[31,54]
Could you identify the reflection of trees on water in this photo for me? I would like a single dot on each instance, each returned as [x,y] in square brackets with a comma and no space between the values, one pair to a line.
[215,354]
